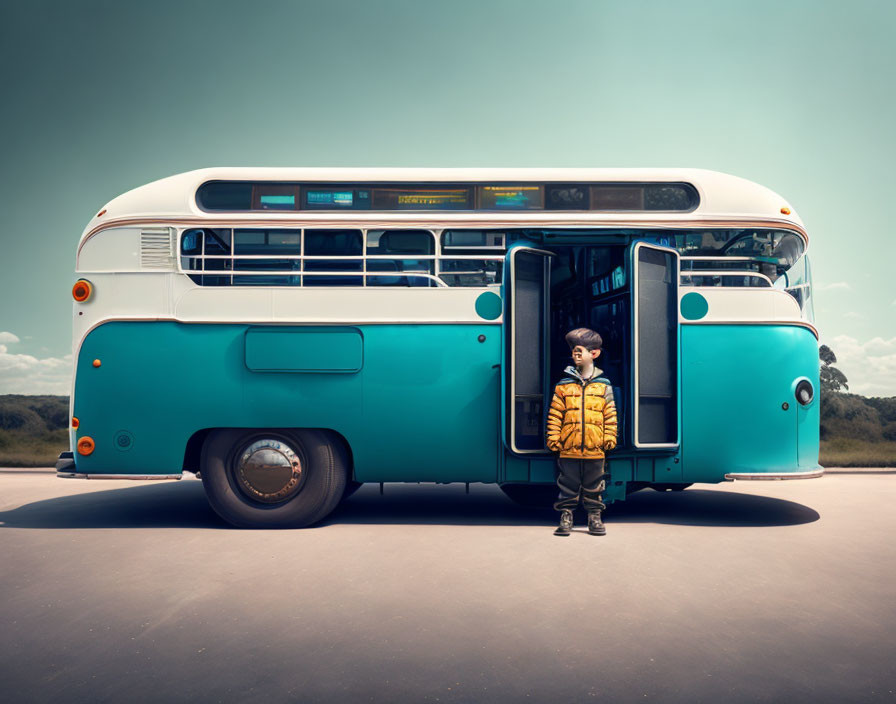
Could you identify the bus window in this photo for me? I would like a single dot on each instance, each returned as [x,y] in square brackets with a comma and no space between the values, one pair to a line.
[472,257]
[337,251]
[204,250]
[401,251]
[460,241]
[253,244]
[470,272]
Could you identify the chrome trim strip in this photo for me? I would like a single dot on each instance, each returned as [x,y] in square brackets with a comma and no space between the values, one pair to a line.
[811,474]
[798,323]
[79,475]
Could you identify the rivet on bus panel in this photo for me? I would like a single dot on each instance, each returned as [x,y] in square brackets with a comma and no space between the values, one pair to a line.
[82,290]
[86,446]
[785,211]
[96,362]
[75,422]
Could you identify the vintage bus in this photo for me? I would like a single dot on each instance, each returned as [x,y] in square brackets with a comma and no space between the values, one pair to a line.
[290,334]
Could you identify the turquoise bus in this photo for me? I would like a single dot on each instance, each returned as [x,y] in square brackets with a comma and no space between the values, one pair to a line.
[290,334]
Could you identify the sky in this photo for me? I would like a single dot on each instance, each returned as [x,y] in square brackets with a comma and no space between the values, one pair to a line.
[101,97]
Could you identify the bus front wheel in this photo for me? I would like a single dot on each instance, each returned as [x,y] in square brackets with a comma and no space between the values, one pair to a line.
[278,478]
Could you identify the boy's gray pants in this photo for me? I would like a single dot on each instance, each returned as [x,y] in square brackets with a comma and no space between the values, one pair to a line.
[577,478]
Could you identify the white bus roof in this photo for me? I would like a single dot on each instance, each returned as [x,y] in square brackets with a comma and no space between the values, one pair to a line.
[722,196]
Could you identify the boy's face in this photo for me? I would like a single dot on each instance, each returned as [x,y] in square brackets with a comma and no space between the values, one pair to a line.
[581,355]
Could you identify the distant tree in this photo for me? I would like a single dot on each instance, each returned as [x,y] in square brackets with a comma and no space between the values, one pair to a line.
[832,379]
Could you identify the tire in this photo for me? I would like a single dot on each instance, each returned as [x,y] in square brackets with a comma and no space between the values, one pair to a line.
[291,479]
[531,495]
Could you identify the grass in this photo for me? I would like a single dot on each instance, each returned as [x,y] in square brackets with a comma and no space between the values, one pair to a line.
[852,452]
[21,450]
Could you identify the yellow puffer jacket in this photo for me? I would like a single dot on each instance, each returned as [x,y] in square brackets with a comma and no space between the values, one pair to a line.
[582,429]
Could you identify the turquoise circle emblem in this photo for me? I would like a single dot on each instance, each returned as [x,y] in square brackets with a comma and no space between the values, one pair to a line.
[489,306]
[694,306]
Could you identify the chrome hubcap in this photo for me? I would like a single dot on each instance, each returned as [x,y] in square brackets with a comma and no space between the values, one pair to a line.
[269,471]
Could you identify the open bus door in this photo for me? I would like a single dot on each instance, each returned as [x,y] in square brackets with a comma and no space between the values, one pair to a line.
[526,336]
[655,347]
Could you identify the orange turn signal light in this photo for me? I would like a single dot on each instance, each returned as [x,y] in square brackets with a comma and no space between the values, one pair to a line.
[101,213]
[86,445]
[75,422]
[96,362]
[82,290]
[785,211]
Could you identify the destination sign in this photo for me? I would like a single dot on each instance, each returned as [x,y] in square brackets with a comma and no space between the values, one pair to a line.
[337,199]
[422,199]
[511,197]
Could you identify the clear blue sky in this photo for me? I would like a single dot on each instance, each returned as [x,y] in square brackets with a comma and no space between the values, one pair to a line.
[100,97]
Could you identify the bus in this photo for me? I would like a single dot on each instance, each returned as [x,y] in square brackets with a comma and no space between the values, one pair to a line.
[292,333]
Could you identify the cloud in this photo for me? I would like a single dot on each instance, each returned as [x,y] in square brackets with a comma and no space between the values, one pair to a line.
[24,374]
[837,286]
[869,366]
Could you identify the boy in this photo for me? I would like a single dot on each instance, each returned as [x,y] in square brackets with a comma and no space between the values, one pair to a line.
[581,426]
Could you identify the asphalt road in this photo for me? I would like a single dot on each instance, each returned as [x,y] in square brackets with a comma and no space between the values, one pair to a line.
[743,592]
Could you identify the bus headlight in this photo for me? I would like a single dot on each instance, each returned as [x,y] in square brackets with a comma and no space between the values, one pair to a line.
[804,393]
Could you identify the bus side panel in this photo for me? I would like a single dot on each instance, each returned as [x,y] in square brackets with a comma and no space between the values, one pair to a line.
[422,408]
[736,380]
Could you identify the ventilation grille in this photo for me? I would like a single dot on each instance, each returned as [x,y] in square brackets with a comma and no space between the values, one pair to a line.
[156,250]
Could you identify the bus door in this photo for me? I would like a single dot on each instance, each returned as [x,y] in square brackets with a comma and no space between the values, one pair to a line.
[655,346]
[526,338]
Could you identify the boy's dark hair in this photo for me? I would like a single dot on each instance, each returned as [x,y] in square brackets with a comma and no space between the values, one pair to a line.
[585,337]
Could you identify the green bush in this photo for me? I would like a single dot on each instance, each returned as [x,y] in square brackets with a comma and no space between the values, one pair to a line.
[849,416]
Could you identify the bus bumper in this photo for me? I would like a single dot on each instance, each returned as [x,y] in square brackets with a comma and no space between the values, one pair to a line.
[65,469]
[812,474]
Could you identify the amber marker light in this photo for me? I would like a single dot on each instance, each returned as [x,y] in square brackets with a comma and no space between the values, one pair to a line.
[785,211]
[82,290]
[86,446]
[75,422]
[101,213]
[96,362]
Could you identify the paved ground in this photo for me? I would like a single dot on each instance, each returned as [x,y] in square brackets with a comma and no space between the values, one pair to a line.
[752,591]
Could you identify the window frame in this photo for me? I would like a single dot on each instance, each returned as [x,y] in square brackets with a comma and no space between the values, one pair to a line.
[497,254]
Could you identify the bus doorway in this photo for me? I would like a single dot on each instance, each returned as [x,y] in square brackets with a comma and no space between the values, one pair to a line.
[627,292]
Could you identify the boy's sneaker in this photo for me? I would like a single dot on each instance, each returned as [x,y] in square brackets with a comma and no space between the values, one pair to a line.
[595,527]
[565,527]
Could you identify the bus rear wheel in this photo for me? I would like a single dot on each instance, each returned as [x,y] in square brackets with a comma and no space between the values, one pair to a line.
[276,478]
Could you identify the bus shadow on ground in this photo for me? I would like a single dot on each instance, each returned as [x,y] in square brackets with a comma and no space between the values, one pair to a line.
[487,505]
[183,505]
[151,505]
